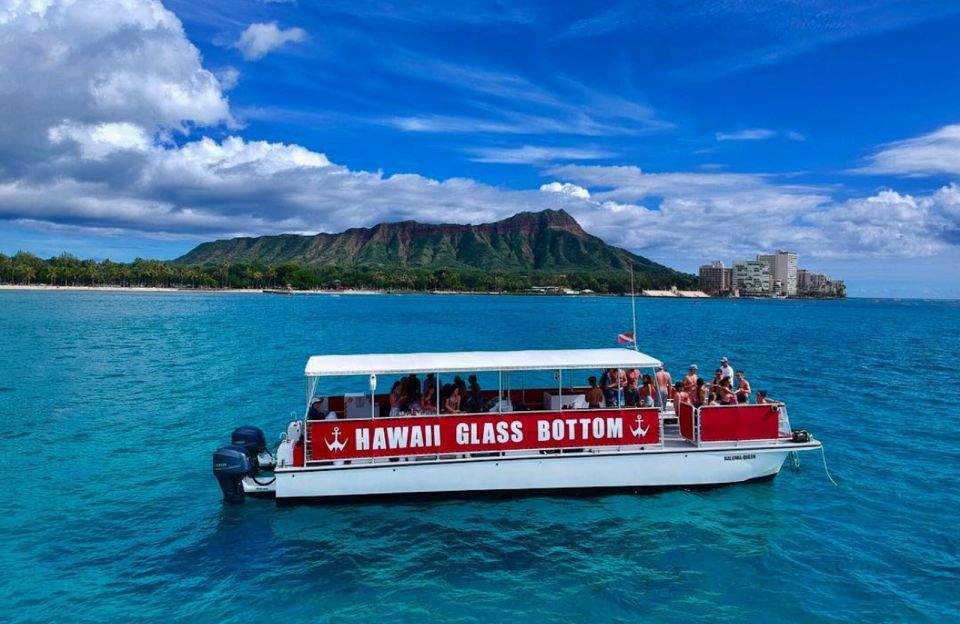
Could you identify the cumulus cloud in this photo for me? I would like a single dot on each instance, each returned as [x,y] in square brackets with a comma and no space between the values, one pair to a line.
[930,154]
[566,189]
[101,75]
[729,215]
[260,39]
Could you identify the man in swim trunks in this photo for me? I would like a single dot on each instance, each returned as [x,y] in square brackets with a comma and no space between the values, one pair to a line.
[743,388]
[664,384]
[690,380]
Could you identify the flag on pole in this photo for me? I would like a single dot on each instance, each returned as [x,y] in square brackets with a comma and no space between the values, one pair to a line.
[626,338]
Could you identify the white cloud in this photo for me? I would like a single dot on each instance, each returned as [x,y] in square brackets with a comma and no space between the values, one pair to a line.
[102,74]
[531,154]
[930,154]
[566,188]
[228,77]
[732,215]
[759,134]
[755,134]
[97,141]
[262,38]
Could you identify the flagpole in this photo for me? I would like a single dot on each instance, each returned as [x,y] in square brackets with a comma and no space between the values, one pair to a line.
[633,309]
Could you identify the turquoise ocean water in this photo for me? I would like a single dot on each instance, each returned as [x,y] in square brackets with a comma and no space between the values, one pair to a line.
[111,405]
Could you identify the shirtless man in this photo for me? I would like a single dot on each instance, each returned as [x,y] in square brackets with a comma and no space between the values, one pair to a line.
[594,394]
[664,383]
[690,380]
[743,388]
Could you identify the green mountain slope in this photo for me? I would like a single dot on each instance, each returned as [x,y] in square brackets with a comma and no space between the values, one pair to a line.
[548,241]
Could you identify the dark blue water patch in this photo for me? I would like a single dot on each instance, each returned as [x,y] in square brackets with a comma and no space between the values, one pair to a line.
[115,402]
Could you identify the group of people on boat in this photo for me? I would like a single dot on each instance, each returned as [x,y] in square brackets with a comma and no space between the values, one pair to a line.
[720,391]
[614,388]
[617,388]
[408,396]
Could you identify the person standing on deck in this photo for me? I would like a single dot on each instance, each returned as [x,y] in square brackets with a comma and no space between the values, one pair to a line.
[726,369]
[664,385]
[690,380]
[594,394]
[631,392]
[743,388]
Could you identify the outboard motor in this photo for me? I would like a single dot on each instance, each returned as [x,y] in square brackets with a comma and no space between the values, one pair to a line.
[250,438]
[230,465]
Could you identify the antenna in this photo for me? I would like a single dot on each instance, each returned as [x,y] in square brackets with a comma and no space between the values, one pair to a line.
[633,309]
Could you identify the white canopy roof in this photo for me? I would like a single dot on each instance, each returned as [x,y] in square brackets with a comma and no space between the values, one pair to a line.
[476,361]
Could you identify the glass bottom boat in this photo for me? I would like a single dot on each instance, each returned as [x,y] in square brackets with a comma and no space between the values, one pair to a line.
[542,439]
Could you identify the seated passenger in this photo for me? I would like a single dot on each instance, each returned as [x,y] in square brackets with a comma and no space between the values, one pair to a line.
[459,383]
[594,394]
[762,397]
[743,388]
[474,401]
[679,395]
[316,409]
[395,399]
[427,400]
[452,404]
[647,392]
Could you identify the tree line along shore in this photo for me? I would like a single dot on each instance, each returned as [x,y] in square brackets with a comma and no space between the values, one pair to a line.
[25,268]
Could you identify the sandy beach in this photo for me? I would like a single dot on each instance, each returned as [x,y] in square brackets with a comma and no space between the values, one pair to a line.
[143,289]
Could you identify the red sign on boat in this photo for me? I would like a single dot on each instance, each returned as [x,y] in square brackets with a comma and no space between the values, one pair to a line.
[429,435]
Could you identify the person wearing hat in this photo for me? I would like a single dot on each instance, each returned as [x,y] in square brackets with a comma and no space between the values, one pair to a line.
[690,380]
[726,369]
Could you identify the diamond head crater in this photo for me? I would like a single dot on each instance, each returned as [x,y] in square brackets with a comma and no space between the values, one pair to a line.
[530,249]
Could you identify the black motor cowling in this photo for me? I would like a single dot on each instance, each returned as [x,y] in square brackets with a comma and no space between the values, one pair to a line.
[230,465]
[250,438]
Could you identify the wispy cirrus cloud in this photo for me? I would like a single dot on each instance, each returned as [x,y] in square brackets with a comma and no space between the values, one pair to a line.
[759,134]
[536,155]
[762,33]
[935,153]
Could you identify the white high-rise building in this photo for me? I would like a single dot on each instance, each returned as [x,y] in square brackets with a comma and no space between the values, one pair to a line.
[751,277]
[783,269]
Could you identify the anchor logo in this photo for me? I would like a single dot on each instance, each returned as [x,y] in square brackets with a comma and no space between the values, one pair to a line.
[336,445]
[640,431]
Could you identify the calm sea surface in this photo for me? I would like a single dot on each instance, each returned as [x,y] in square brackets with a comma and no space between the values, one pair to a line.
[111,405]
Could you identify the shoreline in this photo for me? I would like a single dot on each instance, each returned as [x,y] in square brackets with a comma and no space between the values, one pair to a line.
[278,292]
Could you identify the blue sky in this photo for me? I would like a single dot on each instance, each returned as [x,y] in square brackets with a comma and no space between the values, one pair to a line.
[682,131]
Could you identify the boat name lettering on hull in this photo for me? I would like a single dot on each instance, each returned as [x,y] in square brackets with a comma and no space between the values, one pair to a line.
[417,435]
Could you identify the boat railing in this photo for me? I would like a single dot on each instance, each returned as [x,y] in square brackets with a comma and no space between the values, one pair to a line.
[732,423]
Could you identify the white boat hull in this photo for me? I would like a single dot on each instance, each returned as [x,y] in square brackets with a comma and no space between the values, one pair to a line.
[549,473]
